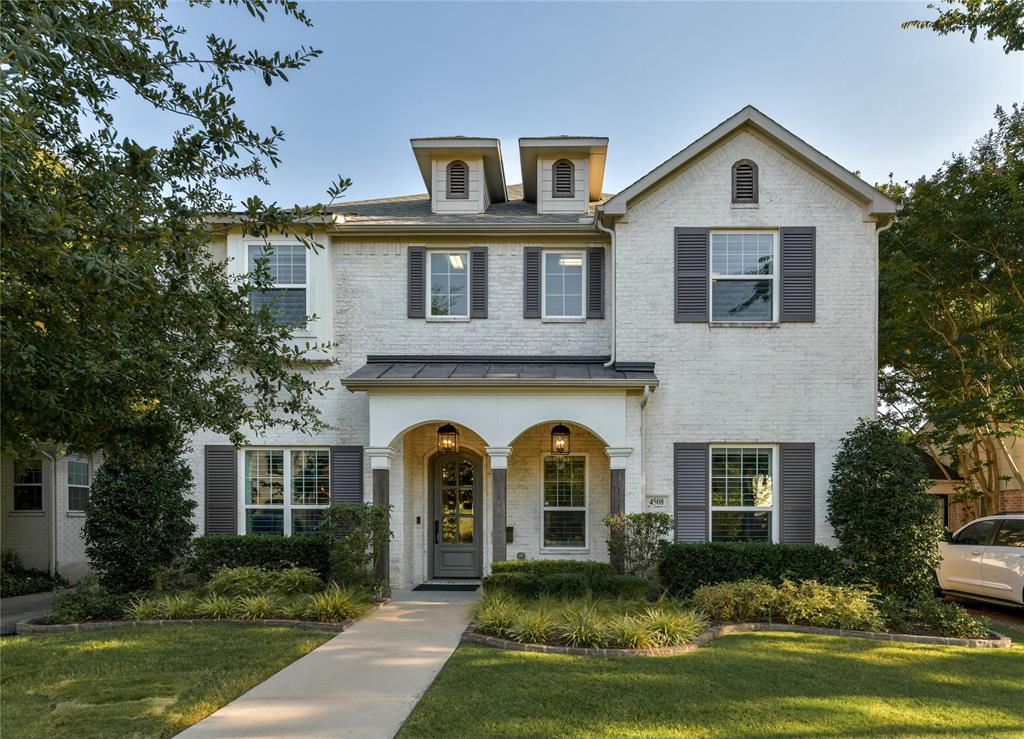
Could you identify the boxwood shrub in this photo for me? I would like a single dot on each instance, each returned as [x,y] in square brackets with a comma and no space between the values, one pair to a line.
[565,584]
[553,566]
[211,553]
[685,567]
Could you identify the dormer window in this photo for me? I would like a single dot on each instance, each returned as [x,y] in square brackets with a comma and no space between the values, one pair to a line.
[563,179]
[458,180]
[744,182]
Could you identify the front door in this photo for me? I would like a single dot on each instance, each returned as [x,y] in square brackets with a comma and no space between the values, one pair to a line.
[455,500]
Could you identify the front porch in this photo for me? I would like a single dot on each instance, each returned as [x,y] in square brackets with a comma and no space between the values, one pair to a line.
[504,493]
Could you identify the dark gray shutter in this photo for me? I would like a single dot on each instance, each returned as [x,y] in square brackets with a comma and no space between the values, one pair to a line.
[220,483]
[531,282]
[346,474]
[478,282]
[691,275]
[417,281]
[797,246]
[595,282]
[796,493]
[691,491]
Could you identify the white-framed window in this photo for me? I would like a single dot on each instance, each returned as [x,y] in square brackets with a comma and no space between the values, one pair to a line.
[563,284]
[284,491]
[564,501]
[448,277]
[79,482]
[742,493]
[744,276]
[28,485]
[286,265]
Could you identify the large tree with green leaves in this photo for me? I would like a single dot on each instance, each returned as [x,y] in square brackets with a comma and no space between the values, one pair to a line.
[998,19]
[952,312]
[117,323]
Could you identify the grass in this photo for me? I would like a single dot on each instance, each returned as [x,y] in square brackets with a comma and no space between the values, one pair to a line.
[150,682]
[749,685]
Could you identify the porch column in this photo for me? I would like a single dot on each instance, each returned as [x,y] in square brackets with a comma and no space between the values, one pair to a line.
[380,469]
[498,456]
[617,460]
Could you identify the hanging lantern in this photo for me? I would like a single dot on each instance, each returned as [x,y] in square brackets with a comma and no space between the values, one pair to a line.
[560,439]
[448,439]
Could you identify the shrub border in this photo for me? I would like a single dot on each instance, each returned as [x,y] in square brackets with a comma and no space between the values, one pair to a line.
[996,640]
[30,627]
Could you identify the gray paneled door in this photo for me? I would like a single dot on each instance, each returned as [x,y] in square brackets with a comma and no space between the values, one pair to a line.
[456,499]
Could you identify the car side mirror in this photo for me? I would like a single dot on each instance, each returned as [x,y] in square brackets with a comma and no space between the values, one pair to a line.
[947,535]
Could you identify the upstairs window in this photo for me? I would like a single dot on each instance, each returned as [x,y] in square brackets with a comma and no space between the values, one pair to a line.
[743,277]
[449,284]
[458,180]
[563,180]
[28,485]
[78,485]
[744,182]
[286,265]
[563,284]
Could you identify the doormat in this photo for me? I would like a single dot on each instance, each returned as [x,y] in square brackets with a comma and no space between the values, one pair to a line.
[449,587]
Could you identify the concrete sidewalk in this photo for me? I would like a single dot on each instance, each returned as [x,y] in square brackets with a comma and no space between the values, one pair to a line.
[23,608]
[362,683]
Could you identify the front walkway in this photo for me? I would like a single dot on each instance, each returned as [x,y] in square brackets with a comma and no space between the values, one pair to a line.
[362,683]
[23,608]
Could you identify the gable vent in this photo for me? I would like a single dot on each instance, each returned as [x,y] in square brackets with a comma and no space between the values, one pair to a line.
[458,180]
[562,179]
[744,182]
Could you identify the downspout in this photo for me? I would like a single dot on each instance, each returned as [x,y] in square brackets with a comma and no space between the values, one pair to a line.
[53,511]
[643,472]
[878,369]
[611,308]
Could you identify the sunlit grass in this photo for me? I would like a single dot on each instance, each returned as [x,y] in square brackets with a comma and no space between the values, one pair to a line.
[749,685]
[150,682]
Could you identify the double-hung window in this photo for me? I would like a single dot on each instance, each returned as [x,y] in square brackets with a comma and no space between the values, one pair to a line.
[448,276]
[78,485]
[28,485]
[743,500]
[744,276]
[286,267]
[285,490]
[563,284]
[565,501]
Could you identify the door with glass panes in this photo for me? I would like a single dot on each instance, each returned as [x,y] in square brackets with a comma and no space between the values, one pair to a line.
[456,497]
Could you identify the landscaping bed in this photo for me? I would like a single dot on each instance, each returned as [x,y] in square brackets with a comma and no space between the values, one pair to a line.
[16,579]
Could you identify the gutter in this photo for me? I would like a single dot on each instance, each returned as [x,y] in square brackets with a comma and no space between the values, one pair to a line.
[611,307]
[355,385]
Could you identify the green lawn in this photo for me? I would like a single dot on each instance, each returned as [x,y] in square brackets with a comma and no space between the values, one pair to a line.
[749,685]
[146,682]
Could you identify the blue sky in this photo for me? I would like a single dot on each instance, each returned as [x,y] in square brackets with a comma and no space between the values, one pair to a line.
[652,77]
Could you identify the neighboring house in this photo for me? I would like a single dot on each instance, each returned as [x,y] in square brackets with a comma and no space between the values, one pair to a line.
[959,509]
[512,363]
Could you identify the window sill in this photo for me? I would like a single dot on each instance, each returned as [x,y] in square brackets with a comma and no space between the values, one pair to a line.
[27,514]
[447,319]
[564,550]
[563,319]
[76,514]
[745,206]
[743,324]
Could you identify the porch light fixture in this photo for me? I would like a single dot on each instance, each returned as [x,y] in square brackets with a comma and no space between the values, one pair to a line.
[560,439]
[448,439]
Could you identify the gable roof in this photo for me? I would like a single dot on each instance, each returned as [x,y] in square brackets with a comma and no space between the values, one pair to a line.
[750,117]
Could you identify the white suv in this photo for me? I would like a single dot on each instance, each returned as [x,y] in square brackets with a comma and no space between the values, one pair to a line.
[985,559]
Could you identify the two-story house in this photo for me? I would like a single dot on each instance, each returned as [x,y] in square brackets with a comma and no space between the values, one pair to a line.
[514,362]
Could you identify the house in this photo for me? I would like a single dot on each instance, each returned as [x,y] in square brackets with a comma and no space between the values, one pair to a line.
[514,362]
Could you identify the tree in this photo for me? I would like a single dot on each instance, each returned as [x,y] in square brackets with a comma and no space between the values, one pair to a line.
[1002,19]
[116,322]
[952,312]
[887,525]
[138,521]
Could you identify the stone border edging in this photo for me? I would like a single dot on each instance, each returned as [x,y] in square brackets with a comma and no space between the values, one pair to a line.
[29,627]
[997,641]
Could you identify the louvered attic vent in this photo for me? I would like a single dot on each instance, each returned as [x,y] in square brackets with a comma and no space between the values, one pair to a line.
[744,182]
[562,179]
[458,181]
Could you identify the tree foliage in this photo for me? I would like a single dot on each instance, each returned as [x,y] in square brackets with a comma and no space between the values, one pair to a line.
[138,522]
[359,533]
[887,525]
[999,19]
[117,322]
[636,541]
[952,312]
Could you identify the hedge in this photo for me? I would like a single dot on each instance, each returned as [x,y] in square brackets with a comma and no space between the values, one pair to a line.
[270,552]
[685,567]
[565,584]
[553,566]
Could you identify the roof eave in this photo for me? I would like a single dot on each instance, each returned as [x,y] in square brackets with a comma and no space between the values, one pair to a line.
[354,385]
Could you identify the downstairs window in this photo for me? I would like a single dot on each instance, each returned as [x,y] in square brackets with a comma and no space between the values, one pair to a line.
[742,493]
[285,490]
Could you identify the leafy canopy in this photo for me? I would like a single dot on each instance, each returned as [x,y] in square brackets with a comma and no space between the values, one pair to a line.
[952,311]
[999,19]
[117,323]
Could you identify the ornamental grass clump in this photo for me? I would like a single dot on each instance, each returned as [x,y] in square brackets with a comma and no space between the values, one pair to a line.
[176,606]
[535,626]
[217,606]
[631,632]
[337,603]
[143,609]
[255,607]
[581,624]
[671,627]
[497,615]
